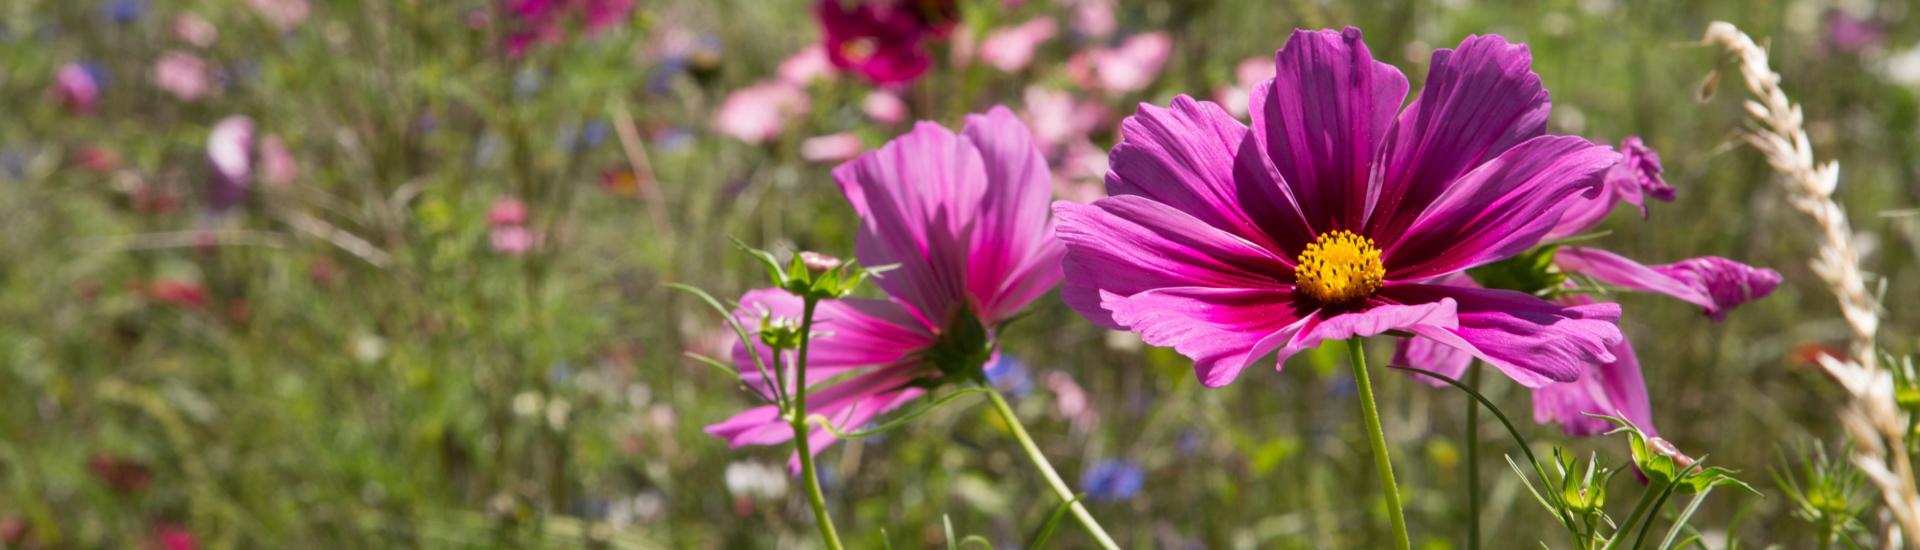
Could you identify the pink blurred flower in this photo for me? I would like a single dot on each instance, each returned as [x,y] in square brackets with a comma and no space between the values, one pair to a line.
[230,157]
[513,240]
[806,66]
[832,147]
[546,21]
[177,293]
[1081,175]
[283,14]
[277,167]
[884,107]
[1849,34]
[1059,118]
[507,211]
[1011,49]
[195,30]
[182,74]
[1128,68]
[758,113]
[1252,70]
[1093,18]
[76,88]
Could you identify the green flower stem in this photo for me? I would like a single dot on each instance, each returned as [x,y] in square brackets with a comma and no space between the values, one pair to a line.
[1046,470]
[1378,438]
[798,419]
[1647,498]
[1473,461]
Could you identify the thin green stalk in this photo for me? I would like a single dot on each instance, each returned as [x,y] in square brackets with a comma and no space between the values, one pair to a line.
[798,419]
[1647,498]
[1473,461]
[1040,462]
[1378,438]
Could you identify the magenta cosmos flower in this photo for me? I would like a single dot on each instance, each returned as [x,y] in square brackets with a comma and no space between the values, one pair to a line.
[545,21]
[1615,387]
[964,216]
[885,42]
[1329,217]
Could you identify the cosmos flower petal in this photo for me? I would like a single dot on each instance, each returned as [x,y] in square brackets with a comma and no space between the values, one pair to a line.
[1222,330]
[1500,209]
[1184,156]
[836,400]
[1322,119]
[1426,354]
[1130,244]
[849,333]
[918,197]
[1614,389]
[1376,320]
[1012,226]
[1533,341]
[1480,100]
[1631,180]
[1714,283]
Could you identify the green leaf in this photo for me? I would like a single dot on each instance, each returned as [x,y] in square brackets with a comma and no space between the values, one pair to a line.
[1053,522]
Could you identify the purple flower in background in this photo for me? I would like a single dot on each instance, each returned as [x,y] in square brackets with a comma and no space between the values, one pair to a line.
[230,157]
[964,217]
[76,88]
[1010,375]
[123,11]
[1330,216]
[1848,34]
[1112,480]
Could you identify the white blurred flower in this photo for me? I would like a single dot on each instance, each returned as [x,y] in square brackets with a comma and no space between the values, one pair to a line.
[756,480]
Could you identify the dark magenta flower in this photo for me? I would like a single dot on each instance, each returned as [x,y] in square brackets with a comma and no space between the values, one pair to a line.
[882,41]
[1331,216]
[77,88]
[964,217]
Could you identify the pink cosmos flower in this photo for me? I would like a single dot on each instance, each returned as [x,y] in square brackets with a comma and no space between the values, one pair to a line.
[76,88]
[964,216]
[1093,18]
[1059,119]
[168,536]
[1249,72]
[537,22]
[507,211]
[1128,68]
[182,74]
[884,107]
[195,30]
[1614,387]
[1329,217]
[758,113]
[513,240]
[1848,34]
[1011,49]
[230,157]
[277,167]
[832,147]
[881,41]
[283,14]
[806,66]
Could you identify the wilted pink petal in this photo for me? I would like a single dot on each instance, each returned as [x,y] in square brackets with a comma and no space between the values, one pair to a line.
[195,30]
[284,14]
[806,66]
[884,107]
[76,88]
[1011,49]
[277,167]
[832,147]
[182,74]
[507,211]
[758,113]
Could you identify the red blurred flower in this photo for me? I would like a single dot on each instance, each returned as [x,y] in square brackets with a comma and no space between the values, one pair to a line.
[168,536]
[97,159]
[184,294]
[537,22]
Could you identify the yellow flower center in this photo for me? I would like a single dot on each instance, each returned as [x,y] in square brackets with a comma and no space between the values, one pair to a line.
[859,49]
[1339,267]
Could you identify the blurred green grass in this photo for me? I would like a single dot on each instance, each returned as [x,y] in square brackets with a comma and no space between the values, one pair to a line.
[456,397]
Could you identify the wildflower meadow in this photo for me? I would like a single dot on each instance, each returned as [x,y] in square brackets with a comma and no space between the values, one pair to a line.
[1189,274]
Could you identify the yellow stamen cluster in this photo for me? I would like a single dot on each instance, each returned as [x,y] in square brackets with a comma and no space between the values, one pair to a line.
[1339,267]
[859,49]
